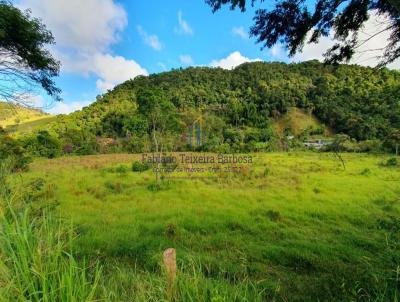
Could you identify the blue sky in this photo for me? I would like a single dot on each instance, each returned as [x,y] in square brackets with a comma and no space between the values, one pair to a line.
[101,43]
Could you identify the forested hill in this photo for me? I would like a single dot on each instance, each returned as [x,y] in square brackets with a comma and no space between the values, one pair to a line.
[240,106]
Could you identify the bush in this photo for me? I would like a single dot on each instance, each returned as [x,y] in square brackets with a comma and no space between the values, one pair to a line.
[138,166]
[115,187]
[370,146]
[43,144]
[391,162]
[68,148]
[136,144]
[80,142]
[121,169]
[12,150]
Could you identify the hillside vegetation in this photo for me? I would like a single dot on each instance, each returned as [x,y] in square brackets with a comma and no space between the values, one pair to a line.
[299,121]
[254,107]
[30,126]
[11,114]
[241,105]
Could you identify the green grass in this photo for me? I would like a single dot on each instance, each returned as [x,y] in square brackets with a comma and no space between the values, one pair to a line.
[290,227]
[36,261]
[31,125]
[11,115]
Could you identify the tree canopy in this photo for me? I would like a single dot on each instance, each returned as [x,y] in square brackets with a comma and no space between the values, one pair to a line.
[25,62]
[242,107]
[296,22]
[257,106]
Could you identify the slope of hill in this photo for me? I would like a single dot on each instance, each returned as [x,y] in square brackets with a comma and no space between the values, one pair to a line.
[11,114]
[296,122]
[31,125]
[362,102]
[254,103]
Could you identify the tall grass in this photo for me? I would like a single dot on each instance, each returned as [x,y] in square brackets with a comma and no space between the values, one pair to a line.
[305,230]
[125,282]
[36,263]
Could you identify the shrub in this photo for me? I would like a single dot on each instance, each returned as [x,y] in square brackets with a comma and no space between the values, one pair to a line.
[136,144]
[80,142]
[68,148]
[391,162]
[154,187]
[121,169]
[366,171]
[12,150]
[273,215]
[115,187]
[318,130]
[138,166]
[370,146]
[43,144]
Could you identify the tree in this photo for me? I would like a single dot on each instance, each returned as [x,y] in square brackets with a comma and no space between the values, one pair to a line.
[393,140]
[338,145]
[291,22]
[43,144]
[162,121]
[25,63]
[12,150]
[360,102]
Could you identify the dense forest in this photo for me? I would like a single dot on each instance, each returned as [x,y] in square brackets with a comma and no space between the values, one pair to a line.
[238,109]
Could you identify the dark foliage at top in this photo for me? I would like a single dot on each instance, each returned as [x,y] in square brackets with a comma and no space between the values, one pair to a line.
[290,22]
[25,61]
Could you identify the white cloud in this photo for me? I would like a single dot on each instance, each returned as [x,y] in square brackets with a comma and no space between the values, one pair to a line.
[84,32]
[277,51]
[152,40]
[367,54]
[231,61]
[104,86]
[110,70]
[184,27]
[90,25]
[35,101]
[65,108]
[186,59]
[239,31]
[113,70]
[314,51]
[52,107]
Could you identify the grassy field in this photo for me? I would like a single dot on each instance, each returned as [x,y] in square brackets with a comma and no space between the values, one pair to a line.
[288,227]
[30,126]
[11,114]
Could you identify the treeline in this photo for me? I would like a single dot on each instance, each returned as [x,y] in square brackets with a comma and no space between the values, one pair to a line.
[239,108]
